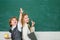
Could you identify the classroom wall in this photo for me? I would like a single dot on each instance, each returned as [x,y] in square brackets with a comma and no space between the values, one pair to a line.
[39,35]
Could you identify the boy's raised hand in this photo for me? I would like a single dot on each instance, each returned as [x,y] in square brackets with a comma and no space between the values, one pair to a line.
[21,11]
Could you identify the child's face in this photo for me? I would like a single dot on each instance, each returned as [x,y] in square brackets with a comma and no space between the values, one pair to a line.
[26,19]
[14,22]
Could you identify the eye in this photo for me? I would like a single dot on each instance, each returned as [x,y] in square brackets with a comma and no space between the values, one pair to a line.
[25,18]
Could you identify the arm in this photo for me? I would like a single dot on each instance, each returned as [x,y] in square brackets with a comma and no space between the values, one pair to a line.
[32,28]
[20,16]
[19,22]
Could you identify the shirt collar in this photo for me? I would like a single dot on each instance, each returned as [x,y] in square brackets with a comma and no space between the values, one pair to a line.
[13,27]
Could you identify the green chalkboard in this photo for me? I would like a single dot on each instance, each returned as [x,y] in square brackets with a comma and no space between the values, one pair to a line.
[46,13]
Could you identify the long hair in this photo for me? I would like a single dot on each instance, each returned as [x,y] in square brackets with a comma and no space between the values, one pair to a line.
[22,19]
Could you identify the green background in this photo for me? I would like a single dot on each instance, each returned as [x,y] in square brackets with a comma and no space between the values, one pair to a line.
[46,13]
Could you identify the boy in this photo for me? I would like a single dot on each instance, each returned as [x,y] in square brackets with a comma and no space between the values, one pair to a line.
[15,30]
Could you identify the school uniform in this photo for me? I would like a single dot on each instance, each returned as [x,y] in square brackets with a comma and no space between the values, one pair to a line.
[32,35]
[16,33]
[27,34]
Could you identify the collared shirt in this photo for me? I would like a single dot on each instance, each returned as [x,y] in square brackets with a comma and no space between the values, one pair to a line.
[19,26]
[13,27]
[25,32]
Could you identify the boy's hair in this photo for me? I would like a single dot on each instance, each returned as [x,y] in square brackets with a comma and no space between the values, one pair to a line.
[11,19]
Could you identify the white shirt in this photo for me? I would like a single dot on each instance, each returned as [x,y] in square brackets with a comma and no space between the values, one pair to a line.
[13,27]
[25,32]
[19,25]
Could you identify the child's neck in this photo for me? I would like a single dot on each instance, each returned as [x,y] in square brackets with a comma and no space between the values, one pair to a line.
[13,25]
[25,23]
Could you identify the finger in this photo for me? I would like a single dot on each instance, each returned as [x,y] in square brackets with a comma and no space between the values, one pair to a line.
[33,22]
[21,10]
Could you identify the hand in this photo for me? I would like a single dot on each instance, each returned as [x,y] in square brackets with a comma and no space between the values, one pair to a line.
[21,11]
[33,23]
[20,16]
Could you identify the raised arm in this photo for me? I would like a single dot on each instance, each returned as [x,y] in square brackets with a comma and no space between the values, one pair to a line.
[20,16]
[19,22]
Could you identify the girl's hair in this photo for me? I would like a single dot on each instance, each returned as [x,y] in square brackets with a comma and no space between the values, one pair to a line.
[24,14]
[11,20]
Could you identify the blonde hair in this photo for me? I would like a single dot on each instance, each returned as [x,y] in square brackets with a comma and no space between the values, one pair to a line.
[23,18]
[23,21]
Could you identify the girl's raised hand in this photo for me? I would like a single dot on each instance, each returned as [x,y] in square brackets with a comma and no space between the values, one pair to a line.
[32,28]
[33,23]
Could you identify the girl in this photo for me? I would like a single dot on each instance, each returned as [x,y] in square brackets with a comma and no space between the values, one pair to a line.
[15,28]
[25,31]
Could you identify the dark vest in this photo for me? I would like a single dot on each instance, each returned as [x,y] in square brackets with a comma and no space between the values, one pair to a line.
[16,34]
